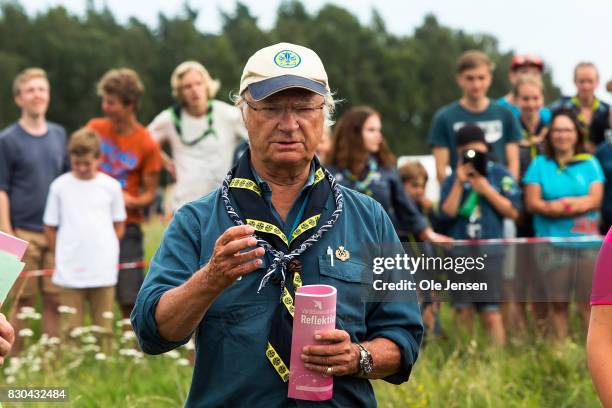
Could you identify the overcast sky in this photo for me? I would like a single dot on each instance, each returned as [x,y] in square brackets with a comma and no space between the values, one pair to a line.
[563,32]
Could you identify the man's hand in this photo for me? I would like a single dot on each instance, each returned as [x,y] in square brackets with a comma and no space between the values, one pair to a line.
[479,183]
[130,201]
[171,169]
[462,171]
[338,353]
[7,337]
[228,263]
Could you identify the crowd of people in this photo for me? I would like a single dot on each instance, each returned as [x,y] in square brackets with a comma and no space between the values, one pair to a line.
[511,167]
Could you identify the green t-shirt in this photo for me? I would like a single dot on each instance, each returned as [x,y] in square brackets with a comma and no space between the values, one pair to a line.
[498,123]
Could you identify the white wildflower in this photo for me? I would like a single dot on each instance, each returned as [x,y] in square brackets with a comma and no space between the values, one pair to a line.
[53,341]
[128,335]
[182,362]
[26,333]
[190,345]
[130,353]
[108,315]
[100,356]
[89,339]
[77,332]
[172,354]
[124,322]
[94,348]
[97,329]
[10,379]
[27,310]
[63,309]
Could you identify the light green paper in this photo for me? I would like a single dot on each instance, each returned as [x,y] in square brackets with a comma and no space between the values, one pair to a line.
[10,268]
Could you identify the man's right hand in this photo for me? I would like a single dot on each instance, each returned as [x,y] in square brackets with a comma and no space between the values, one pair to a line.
[7,337]
[228,263]
[463,171]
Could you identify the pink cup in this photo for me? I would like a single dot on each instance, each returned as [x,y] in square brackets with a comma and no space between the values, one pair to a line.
[315,310]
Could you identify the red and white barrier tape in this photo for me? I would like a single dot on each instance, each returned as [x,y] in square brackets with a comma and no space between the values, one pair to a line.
[49,272]
[535,240]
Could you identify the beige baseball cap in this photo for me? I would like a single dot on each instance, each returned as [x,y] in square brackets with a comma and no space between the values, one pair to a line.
[283,66]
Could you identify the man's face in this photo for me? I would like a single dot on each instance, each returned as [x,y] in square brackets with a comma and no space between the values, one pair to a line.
[33,97]
[529,99]
[372,133]
[84,167]
[586,82]
[192,90]
[416,188]
[475,82]
[115,109]
[285,128]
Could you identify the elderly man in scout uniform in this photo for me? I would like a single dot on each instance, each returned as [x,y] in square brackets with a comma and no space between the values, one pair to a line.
[278,221]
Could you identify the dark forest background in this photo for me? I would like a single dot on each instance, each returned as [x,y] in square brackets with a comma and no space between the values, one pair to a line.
[406,78]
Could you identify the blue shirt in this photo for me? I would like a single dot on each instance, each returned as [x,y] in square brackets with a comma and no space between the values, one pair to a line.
[485,222]
[573,180]
[28,165]
[498,123]
[231,368]
[387,189]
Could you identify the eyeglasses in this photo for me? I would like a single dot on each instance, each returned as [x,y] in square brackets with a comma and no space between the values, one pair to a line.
[563,130]
[276,112]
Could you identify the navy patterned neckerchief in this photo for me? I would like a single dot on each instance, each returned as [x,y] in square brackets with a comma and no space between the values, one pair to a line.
[240,185]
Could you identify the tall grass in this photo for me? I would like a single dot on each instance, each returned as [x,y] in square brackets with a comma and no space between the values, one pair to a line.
[458,370]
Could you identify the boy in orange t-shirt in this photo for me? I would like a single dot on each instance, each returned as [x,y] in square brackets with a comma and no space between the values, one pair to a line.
[132,156]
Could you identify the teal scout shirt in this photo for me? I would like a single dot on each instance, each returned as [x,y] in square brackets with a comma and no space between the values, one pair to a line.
[498,123]
[231,369]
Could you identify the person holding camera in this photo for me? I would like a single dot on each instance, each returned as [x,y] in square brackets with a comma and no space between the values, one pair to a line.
[476,198]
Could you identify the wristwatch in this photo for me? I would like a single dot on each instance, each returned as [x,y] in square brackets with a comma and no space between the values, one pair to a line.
[366,364]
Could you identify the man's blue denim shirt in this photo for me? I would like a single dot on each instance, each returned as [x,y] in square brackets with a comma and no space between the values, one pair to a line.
[231,369]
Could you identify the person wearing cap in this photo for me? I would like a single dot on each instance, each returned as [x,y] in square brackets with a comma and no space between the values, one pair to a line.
[524,65]
[202,133]
[476,204]
[501,128]
[278,222]
[592,112]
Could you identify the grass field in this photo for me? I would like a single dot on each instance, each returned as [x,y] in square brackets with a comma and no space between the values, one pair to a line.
[459,370]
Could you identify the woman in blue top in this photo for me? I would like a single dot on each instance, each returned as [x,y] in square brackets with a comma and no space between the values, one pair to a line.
[564,189]
[361,160]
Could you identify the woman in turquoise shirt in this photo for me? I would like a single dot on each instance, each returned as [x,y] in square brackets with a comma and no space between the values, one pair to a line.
[564,189]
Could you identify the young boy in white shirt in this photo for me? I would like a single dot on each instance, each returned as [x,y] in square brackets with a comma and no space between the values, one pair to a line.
[84,220]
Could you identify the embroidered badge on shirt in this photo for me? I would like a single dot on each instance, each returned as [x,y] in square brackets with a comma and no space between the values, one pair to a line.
[342,254]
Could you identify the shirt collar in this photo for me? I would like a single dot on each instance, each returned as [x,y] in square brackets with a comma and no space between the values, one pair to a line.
[266,188]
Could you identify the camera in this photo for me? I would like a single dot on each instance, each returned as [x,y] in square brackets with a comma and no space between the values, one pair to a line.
[478,160]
